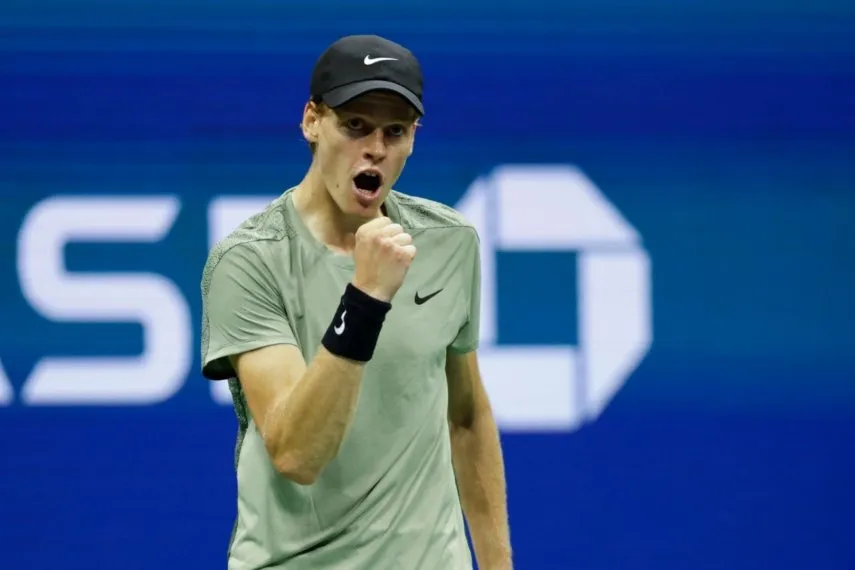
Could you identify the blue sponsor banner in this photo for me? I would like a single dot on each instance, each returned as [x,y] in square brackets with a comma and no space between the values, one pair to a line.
[664,196]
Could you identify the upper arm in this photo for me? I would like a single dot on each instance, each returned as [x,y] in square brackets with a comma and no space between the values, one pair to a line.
[466,393]
[267,375]
[246,330]
[242,310]
[465,386]
[468,336]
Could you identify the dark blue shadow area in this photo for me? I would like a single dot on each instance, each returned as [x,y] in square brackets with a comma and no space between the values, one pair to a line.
[638,490]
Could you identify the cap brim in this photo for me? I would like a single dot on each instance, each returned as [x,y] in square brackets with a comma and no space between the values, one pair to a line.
[345,93]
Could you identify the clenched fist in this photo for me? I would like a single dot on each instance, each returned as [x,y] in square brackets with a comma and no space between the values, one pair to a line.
[382,256]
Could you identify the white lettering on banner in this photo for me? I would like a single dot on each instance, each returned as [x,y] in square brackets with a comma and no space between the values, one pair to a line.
[542,208]
[7,394]
[225,214]
[537,208]
[149,299]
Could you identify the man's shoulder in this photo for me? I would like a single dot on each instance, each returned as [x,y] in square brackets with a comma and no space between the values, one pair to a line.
[254,236]
[417,213]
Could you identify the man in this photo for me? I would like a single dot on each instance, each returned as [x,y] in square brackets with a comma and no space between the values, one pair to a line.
[345,318]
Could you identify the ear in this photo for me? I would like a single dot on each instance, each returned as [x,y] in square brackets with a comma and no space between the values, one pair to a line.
[413,138]
[311,122]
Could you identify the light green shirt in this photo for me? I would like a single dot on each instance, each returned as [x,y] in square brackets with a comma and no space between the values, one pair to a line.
[389,498]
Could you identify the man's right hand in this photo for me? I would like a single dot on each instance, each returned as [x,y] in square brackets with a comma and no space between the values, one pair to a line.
[382,256]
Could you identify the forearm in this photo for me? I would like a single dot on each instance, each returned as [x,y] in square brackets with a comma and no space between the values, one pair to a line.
[307,425]
[478,464]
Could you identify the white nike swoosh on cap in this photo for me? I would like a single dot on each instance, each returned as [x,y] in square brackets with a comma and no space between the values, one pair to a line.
[369,61]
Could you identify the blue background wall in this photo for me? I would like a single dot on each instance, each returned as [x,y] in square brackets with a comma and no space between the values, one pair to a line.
[725,131]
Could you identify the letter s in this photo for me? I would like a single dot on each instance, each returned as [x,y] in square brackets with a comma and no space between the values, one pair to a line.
[149,299]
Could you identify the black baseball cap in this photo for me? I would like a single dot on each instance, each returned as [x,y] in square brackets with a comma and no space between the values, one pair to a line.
[355,65]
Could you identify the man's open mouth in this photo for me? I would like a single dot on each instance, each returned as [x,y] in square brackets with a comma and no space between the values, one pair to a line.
[368,181]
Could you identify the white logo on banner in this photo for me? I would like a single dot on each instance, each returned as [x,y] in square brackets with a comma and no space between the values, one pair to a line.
[543,208]
[540,208]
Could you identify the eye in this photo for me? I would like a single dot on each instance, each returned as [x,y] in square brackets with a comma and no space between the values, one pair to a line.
[396,130]
[355,124]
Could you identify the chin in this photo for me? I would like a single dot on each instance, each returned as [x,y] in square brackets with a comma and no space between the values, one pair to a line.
[366,212]
[356,211]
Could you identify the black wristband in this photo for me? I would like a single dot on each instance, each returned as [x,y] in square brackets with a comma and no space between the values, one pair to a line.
[355,328]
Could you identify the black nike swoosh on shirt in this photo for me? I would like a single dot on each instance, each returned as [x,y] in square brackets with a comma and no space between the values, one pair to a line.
[426,298]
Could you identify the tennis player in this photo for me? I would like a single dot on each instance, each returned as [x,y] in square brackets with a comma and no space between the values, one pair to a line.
[345,318]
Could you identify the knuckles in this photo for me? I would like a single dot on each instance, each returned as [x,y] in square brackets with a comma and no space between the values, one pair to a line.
[386,238]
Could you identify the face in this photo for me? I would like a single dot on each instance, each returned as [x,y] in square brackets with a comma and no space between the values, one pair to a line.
[361,149]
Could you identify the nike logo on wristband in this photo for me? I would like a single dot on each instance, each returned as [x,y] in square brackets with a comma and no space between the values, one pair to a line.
[426,298]
[340,328]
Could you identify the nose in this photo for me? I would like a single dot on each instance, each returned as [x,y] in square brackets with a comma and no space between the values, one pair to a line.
[375,146]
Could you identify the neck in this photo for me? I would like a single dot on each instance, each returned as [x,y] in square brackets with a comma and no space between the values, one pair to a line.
[321,215]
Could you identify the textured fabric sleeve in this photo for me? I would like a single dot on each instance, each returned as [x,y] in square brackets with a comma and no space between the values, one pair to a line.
[241,307]
[468,337]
